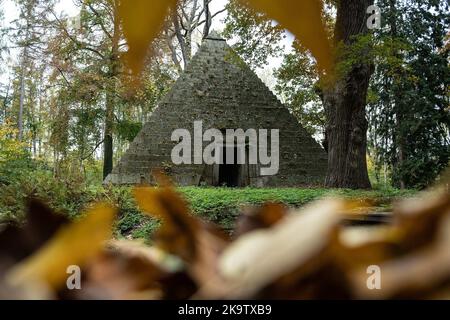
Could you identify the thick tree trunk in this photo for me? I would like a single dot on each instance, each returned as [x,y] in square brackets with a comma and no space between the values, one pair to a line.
[345,102]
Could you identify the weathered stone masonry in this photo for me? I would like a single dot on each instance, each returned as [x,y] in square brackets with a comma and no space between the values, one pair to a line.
[219,89]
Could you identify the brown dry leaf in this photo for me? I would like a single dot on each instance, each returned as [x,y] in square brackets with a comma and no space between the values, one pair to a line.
[416,223]
[74,244]
[259,218]
[413,275]
[142,21]
[117,275]
[177,234]
[205,269]
[417,242]
[152,255]
[133,270]
[419,218]
[304,19]
[198,243]
[16,242]
[259,258]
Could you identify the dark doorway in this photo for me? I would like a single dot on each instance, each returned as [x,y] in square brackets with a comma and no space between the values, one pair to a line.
[229,173]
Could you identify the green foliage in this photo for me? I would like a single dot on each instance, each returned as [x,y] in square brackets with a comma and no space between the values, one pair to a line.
[14,157]
[409,119]
[297,82]
[258,37]
[71,196]
[128,130]
[223,204]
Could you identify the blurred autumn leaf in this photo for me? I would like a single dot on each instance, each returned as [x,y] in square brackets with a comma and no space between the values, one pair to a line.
[259,218]
[276,252]
[141,21]
[74,244]
[304,19]
[258,258]
[197,242]
[177,234]
[17,243]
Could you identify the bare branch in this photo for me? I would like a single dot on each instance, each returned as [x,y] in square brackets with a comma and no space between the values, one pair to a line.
[100,19]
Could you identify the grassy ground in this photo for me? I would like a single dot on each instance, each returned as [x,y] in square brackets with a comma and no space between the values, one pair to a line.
[222,205]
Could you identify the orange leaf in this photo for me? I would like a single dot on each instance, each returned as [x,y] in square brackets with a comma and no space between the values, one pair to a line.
[142,20]
[304,19]
[74,244]
[178,232]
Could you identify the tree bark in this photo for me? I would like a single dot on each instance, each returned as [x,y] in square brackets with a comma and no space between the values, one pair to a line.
[208,18]
[22,95]
[110,101]
[345,102]
[109,126]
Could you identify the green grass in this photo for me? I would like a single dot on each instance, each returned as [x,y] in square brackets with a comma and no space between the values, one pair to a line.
[222,205]
[219,205]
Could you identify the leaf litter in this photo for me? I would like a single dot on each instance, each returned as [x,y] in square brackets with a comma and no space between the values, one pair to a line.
[274,253]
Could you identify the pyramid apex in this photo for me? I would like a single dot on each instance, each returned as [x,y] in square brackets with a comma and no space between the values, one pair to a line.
[214,35]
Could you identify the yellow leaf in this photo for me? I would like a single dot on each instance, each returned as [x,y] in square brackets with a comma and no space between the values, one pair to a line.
[72,245]
[142,21]
[150,201]
[304,19]
[178,232]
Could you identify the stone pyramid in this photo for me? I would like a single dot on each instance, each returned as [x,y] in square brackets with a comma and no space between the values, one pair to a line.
[219,89]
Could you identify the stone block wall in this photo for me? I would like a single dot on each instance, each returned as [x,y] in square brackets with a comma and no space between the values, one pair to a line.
[220,90]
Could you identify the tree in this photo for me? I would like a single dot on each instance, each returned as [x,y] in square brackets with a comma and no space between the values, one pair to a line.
[297,83]
[94,86]
[4,88]
[94,46]
[344,99]
[410,120]
[189,17]
[258,37]
[27,36]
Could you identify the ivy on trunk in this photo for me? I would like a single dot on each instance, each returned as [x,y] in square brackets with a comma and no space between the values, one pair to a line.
[344,101]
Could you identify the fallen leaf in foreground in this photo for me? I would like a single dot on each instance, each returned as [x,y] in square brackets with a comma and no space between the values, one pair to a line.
[74,244]
[197,242]
[258,258]
[306,253]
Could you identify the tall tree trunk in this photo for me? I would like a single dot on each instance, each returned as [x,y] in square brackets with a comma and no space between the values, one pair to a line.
[110,101]
[345,102]
[28,15]
[5,101]
[108,135]
[22,94]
